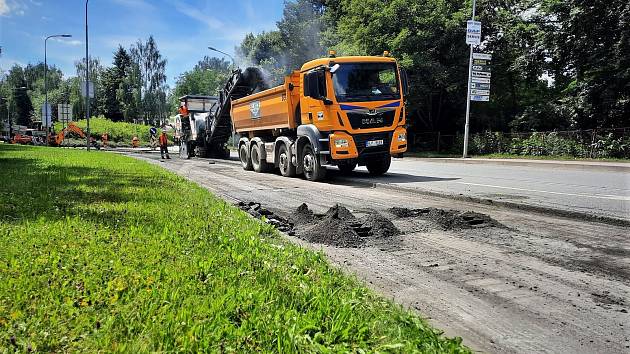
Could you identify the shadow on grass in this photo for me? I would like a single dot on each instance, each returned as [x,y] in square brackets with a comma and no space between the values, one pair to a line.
[32,190]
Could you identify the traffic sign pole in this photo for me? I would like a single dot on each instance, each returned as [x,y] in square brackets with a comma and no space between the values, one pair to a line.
[470,62]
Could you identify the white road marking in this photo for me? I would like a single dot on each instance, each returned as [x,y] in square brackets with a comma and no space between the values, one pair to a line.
[599,196]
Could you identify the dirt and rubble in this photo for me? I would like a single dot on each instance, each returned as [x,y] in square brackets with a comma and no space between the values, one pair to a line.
[448,219]
[514,282]
[337,227]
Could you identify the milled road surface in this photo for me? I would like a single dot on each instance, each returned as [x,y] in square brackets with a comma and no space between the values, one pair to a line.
[539,284]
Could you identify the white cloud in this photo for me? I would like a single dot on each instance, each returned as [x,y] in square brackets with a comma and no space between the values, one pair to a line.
[194,13]
[12,7]
[4,8]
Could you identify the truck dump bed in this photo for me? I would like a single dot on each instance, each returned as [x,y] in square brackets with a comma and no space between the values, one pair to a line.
[267,110]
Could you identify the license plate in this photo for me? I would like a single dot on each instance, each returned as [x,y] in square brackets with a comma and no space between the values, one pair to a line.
[372,143]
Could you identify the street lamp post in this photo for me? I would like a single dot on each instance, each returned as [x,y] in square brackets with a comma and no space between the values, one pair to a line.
[87,80]
[224,53]
[46,78]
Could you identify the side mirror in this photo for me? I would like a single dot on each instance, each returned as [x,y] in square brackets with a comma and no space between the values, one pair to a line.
[311,85]
[404,81]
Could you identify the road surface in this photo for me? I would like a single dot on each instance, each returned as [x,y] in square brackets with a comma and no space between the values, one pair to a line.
[600,192]
[538,283]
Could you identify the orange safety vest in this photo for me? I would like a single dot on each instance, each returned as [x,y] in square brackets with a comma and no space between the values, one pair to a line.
[163,140]
[183,111]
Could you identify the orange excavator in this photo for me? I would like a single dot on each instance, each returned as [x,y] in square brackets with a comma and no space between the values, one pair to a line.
[56,140]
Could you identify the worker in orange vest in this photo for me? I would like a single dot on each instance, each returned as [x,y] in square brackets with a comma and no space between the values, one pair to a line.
[183,110]
[164,145]
[105,139]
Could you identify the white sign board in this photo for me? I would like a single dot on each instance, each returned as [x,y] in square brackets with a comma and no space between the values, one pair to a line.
[482,56]
[476,92]
[46,114]
[473,32]
[64,112]
[481,74]
[480,77]
[90,86]
[480,80]
[480,98]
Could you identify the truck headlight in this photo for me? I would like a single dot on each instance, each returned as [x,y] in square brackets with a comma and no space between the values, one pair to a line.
[341,143]
[402,137]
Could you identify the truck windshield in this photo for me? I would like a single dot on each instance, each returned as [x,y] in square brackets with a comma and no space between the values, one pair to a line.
[366,82]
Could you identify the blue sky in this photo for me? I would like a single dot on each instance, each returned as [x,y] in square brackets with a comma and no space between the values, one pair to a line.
[183,29]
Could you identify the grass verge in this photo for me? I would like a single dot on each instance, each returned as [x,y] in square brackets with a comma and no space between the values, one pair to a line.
[101,252]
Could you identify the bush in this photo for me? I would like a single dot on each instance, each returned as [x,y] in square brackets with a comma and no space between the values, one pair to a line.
[119,132]
[541,144]
[489,143]
[608,146]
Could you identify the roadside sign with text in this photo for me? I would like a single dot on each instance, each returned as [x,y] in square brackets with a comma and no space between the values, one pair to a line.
[480,98]
[479,86]
[480,80]
[480,77]
[90,88]
[64,112]
[46,114]
[473,32]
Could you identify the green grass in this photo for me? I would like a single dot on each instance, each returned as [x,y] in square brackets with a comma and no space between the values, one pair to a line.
[101,252]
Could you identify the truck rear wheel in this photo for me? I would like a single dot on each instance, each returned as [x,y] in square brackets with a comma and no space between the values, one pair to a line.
[379,166]
[287,169]
[246,162]
[313,170]
[257,162]
[184,151]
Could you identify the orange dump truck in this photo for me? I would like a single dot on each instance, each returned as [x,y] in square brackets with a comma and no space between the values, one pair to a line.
[335,111]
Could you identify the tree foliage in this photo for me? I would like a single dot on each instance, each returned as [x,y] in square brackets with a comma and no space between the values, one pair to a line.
[556,64]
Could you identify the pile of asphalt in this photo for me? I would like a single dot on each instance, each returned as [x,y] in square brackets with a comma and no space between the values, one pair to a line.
[448,219]
[256,210]
[337,227]
[340,228]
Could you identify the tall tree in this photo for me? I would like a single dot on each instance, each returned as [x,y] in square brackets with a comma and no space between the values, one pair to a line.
[115,94]
[152,68]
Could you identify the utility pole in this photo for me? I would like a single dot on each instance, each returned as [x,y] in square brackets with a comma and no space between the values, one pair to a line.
[470,61]
[46,82]
[87,79]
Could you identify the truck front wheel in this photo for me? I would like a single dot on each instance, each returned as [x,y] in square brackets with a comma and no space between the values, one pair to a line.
[313,170]
[256,160]
[287,169]
[380,166]
[246,162]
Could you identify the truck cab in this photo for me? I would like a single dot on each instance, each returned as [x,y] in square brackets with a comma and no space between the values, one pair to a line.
[357,106]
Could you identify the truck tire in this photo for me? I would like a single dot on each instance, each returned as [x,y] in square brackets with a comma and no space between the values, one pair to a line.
[380,166]
[313,170]
[256,160]
[346,167]
[287,169]
[184,150]
[246,162]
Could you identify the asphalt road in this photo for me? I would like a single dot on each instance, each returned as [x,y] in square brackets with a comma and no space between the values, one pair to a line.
[590,189]
[533,283]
